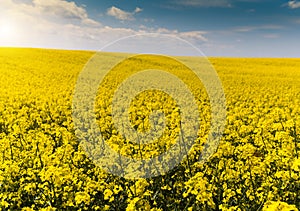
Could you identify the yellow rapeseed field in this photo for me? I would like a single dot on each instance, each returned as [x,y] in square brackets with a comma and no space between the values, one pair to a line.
[43,167]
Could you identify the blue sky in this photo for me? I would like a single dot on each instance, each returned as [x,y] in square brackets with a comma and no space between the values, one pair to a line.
[237,28]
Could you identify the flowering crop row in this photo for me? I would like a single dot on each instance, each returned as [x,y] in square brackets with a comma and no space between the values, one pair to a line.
[43,167]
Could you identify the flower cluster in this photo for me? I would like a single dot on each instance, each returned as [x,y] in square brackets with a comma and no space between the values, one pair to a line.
[43,167]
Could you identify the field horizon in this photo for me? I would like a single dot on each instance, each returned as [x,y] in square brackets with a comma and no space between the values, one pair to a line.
[132,53]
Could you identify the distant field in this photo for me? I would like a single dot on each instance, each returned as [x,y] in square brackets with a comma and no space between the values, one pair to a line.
[256,167]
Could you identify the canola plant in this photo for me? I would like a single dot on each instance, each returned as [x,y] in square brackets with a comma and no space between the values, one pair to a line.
[43,166]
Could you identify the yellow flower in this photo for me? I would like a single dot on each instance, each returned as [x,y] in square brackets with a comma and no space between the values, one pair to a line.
[278,206]
[107,194]
[296,165]
[82,197]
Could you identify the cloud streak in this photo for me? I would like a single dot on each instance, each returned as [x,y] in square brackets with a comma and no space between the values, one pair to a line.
[204,3]
[271,36]
[254,28]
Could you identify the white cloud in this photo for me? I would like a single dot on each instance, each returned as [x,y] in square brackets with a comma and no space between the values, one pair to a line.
[205,3]
[55,10]
[121,14]
[61,24]
[194,36]
[137,10]
[293,4]
[63,9]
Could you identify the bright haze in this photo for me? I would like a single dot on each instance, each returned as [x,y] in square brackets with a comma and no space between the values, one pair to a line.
[235,28]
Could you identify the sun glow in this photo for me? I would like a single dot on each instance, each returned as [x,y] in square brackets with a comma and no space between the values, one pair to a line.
[7,31]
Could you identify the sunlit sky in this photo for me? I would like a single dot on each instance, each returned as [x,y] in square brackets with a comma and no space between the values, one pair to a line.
[239,28]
